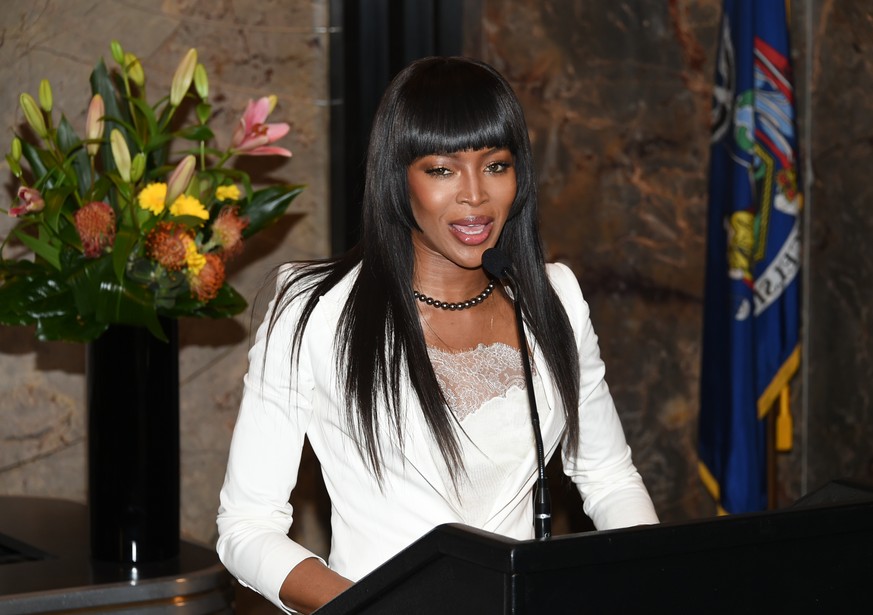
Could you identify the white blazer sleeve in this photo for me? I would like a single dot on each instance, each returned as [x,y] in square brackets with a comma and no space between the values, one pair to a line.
[612,490]
[254,514]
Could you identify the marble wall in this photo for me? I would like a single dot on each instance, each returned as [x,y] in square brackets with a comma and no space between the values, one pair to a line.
[617,96]
[250,49]
[836,75]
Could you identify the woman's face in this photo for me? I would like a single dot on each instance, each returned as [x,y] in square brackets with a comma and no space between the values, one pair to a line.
[461,202]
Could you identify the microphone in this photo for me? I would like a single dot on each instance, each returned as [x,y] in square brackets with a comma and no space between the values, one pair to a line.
[498,265]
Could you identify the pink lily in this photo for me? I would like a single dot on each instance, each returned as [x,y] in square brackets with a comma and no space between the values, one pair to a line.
[31,202]
[252,136]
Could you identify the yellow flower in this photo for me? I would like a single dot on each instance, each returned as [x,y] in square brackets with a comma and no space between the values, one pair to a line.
[196,261]
[187,205]
[152,197]
[227,193]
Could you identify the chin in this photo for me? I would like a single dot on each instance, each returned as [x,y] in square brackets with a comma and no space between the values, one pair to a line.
[471,259]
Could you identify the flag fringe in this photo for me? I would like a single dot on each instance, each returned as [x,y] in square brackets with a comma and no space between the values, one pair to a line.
[779,382]
[711,485]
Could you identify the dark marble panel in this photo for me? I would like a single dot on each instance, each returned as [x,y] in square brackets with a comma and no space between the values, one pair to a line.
[840,349]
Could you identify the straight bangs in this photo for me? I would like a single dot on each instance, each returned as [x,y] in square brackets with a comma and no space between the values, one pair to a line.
[444,117]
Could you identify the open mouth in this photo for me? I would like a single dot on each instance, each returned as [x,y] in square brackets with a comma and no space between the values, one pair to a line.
[472,232]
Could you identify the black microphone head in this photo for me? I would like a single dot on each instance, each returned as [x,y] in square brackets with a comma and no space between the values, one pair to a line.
[496,263]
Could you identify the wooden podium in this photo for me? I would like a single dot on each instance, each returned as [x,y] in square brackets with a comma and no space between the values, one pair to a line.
[816,555]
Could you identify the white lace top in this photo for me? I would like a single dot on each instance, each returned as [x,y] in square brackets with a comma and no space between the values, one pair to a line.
[486,391]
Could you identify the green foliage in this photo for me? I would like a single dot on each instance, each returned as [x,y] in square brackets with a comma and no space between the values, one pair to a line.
[97,256]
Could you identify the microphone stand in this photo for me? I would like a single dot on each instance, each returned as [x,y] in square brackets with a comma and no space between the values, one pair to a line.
[497,264]
[542,496]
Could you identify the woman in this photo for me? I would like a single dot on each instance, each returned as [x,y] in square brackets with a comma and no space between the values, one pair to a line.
[418,413]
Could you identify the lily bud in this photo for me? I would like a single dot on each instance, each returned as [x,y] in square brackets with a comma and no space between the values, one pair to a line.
[203,111]
[117,52]
[137,167]
[16,149]
[14,165]
[201,81]
[180,178]
[273,100]
[182,78]
[94,124]
[33,115]
[134,69]
[45,95]
[120,153]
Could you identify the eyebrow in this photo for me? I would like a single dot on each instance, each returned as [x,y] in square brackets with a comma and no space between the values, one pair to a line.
[455,154]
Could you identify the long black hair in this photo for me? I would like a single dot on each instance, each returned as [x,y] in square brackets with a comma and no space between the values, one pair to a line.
[436,105]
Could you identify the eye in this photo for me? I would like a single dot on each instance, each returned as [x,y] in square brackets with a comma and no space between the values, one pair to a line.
[438,171]
[497,167]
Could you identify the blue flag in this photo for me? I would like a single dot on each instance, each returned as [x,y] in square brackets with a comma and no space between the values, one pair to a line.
[751,328]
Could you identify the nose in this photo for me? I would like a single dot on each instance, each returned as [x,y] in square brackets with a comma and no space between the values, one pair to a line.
[472,190]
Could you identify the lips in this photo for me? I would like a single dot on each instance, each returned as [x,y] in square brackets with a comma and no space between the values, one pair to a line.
[473,230]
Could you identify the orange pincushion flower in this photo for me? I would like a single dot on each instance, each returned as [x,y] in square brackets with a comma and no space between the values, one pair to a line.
[227,231]
[167,244]
[206,284]
[95,223]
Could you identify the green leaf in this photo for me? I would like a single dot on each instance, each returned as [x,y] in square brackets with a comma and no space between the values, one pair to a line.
[100,297]
[196,133]
[69,235]
[54,205]
[191,222]
[69,328]
[227,303]
[42,248]
[84,277]
[101,189]
[129,128]
[34,159]
[155,146]
[147,113]
[24,291]
[146,220]
[125,242]
[52,173]
[36,296]
[128,304]
[69,141]
[267,205]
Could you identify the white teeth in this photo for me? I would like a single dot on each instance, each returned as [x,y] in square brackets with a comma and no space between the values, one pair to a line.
[469,230]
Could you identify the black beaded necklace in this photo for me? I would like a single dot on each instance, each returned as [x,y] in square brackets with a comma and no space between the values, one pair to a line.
[463,305]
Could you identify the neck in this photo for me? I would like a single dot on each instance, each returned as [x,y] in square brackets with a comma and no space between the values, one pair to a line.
[448,282]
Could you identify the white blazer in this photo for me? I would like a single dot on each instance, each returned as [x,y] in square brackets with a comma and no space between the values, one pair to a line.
[371,523]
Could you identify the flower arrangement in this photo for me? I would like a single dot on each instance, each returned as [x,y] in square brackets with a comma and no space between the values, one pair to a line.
[119,233]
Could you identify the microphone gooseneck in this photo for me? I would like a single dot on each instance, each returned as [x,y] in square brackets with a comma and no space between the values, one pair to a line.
[498,265]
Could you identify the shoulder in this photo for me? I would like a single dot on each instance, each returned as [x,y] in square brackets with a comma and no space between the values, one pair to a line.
[299,285]
[564,281]
[560,275]
[301,279]
[566,286]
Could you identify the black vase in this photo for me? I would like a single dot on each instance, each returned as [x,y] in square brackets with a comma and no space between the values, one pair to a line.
[133,444]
